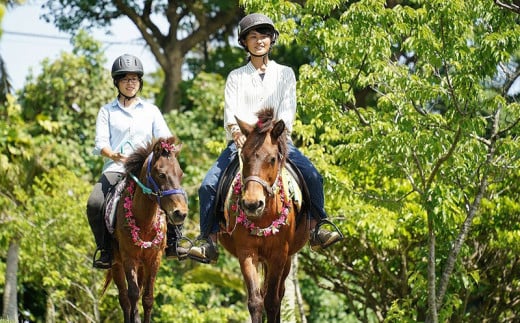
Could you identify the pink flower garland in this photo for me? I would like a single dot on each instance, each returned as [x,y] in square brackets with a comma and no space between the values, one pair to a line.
[242,218]
[168,147]
[134,229]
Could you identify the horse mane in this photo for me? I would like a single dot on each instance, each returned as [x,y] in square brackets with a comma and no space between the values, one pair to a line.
[265,124]
[135,161]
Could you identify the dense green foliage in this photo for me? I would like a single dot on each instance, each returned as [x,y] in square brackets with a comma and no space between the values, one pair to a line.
[406,107]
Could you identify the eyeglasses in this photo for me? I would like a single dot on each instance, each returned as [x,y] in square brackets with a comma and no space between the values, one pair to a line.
[133,80]
[256,37]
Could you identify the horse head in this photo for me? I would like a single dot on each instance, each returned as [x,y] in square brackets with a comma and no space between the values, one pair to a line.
[263,156]
[162,176]
[165,175]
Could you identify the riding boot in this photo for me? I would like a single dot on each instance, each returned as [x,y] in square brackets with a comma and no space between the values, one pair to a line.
[173,236]
[322,238]
[206,253]
[104,261]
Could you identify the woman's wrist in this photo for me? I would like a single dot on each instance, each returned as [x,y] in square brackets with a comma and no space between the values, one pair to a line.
[109,154]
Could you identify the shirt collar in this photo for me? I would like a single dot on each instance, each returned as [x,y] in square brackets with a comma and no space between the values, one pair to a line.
[138,104]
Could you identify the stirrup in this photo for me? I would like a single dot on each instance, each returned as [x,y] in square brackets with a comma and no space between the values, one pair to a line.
[185,250]
[205,260]
[100,265]
[318,226]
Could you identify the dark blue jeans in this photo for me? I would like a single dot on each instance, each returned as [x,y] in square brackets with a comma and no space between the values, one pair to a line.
[208,188]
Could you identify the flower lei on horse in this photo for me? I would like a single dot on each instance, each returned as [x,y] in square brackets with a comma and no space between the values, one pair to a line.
[129,216]
[242,218]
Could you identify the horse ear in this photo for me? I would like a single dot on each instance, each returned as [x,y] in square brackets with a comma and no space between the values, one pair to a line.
[278,129]
[245,127]
[178,150]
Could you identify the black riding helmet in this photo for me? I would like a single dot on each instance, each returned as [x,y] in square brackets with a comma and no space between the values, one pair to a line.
[125,64]
[256,21]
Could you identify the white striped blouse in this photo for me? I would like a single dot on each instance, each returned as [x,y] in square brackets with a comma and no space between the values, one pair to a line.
[246,93]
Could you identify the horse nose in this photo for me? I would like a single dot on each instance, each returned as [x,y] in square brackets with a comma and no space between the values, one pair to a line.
[252,206]
[177,216]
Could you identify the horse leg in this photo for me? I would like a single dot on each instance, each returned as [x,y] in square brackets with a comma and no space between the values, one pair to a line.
[133,290]
[254,299]
[150,275]
[274,286]
[118,276]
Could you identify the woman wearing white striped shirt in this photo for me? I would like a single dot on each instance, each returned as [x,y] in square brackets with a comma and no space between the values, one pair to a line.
[260,83]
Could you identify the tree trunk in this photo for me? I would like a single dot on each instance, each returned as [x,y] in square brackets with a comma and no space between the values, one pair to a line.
[299,298]
[171,89]
[288,306]
[432,316]
[292,303]
[50,313]
[10,293]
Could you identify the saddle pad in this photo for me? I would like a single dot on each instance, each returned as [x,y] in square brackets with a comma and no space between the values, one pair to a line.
[292,189]
[111,205]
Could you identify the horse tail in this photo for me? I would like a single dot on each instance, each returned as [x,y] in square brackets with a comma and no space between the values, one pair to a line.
[108,279]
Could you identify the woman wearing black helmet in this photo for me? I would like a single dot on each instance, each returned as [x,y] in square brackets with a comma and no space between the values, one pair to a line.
[121,126]
[260,83]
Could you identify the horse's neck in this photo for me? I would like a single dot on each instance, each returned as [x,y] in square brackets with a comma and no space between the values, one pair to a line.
[144,208]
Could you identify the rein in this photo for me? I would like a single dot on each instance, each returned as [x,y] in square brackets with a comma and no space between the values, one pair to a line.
[149,180]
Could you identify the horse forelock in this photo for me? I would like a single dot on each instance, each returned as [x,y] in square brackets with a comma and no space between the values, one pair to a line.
[265,120]
[264,125]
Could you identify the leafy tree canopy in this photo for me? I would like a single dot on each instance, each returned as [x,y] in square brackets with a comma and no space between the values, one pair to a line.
[171,29]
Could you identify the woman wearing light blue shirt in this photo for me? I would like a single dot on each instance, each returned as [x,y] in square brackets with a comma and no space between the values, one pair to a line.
[122,125]
[258,84]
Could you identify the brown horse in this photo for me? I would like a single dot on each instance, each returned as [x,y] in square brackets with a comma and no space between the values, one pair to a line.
[152,196]
[262,225]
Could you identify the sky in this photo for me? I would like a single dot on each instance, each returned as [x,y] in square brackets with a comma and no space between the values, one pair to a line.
[27,40]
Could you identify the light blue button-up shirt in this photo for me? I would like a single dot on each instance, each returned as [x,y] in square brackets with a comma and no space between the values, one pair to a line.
[125,129]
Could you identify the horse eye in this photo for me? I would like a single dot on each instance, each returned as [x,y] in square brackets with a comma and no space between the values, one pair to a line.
[162,175]
[273,160]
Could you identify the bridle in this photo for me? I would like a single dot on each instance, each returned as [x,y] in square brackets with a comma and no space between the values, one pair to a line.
[156,191]
[253,178]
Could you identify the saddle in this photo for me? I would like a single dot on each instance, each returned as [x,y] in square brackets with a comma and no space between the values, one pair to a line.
[110,204]
[293,184]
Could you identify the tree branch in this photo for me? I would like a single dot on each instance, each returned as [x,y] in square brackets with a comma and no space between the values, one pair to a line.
[453,255]
[512,7]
